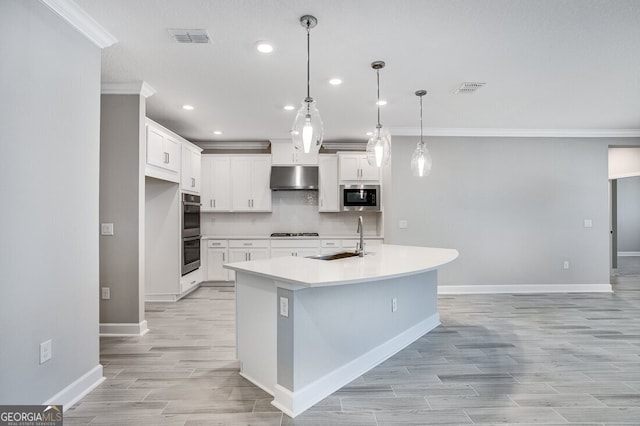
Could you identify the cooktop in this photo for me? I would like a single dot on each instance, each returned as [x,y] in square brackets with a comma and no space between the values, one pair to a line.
[294,234]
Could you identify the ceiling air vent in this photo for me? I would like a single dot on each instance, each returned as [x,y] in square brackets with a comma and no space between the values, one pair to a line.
[189,36]
[469,87]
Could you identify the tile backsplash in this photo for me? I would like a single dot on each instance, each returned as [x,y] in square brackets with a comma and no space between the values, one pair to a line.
[292,211]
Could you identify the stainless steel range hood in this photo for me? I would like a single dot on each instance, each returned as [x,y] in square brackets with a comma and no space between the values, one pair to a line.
[289,178]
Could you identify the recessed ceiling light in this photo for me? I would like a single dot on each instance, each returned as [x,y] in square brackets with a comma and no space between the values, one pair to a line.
[264,47]
[289,107]
[188,107]
[217,132]
[381,102]
[335,81]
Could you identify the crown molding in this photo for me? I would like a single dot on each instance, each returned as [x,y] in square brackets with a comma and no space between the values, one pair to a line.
[231,145]
[345,145]
[141,88]
[81,21]
[517,133]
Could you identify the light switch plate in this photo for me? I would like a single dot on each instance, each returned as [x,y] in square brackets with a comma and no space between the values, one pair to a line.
[45,351]
[284,306]
[403,224]
[106,229]
[588,223]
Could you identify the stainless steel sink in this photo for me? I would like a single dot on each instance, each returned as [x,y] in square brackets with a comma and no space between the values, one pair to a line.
[334,256]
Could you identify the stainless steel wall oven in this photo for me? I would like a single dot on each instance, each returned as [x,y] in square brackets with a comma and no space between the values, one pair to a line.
[190,253]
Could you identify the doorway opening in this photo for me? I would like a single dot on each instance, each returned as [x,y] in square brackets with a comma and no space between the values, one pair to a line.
[624,178]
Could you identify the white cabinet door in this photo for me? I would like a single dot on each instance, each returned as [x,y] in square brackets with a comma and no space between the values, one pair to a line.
[190,171]
[162,150]
[367,171]
[349,166]
[355,167]
[250,179]
[281,252]
[217,256]
[242,255]
[260,184]
[216,188]
[328,194]
[241,184]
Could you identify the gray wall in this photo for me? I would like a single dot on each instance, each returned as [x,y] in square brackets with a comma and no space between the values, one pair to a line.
[513,207]
[49,159]
[122,203]
[629,214]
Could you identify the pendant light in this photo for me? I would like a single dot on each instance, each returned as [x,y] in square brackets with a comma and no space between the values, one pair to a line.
[379,145]
[307,132]
[421,158]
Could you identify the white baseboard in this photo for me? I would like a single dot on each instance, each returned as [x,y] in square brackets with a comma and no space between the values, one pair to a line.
[169,297]
[296,402]
[78,389]
[628,253]
[257,383]
[124,329]
[525,288]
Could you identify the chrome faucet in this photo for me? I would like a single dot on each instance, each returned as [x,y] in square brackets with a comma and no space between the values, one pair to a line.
[360,248]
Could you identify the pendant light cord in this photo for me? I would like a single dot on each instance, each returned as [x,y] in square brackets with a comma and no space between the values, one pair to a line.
[378,103]
[421,141]
[308,58]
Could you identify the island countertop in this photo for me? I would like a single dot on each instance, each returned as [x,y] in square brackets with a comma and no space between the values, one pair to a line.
[387,261]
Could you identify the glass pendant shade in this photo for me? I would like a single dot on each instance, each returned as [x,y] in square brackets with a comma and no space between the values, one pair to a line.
[379,147]
[307,131]
[421,161]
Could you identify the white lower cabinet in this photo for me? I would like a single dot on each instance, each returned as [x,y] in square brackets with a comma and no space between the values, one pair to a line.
[191,280]
[217,256]
[245,250]
[330,246]
[300,248]
[370,244]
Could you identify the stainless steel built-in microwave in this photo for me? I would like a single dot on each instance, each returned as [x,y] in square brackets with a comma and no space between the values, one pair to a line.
[360,197]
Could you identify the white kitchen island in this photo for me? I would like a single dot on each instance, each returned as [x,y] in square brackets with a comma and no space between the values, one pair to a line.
[307,327]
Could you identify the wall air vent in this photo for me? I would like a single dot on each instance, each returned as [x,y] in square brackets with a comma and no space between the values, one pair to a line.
[189,36]
[469,87]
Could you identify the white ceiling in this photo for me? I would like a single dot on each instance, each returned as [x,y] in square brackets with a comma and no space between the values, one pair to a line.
[547,64]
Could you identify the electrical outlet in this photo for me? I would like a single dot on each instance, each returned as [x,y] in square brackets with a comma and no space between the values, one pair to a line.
[394,304]
[284,306]
[588,223]
[566,264]
[106,229]
[106,293]
[403,224]
[45,351]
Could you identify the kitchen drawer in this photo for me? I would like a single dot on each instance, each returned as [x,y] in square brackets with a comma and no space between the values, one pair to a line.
[331,244]
[217,243]
[295,243]
[248,243]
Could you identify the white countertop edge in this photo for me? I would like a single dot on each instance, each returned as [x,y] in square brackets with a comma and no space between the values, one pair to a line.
[262,237]
[252,267]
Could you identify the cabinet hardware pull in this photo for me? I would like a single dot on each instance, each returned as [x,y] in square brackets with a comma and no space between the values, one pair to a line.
[223,257]
[166,158]
[248,244]
[248,203]
[249,255]
[193,282]
[214,203]
[193,182]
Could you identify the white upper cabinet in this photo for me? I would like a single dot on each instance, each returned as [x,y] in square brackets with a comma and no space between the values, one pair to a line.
[162,153]
[250,179]
[283,154]
[329,196]
[216,189]
[354,166]
[190,171]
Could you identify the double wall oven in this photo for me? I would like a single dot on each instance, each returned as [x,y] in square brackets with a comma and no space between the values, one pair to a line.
[190,258]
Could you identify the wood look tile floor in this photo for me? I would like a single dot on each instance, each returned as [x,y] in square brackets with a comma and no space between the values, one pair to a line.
[554,359]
